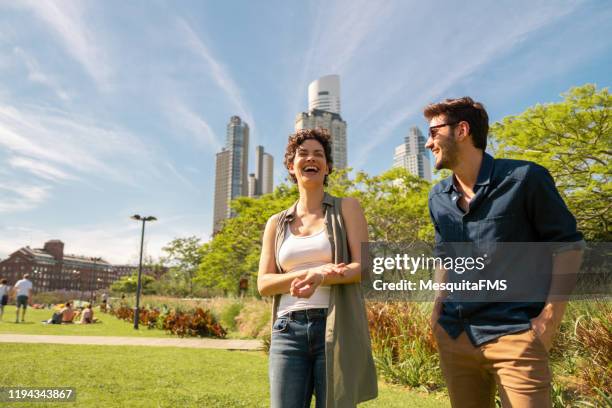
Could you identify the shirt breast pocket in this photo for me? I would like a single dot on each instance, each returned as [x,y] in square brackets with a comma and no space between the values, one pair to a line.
[501,228]
[450,232]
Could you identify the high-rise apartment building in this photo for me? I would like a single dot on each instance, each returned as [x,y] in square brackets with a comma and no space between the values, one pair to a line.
[267,177]
[324,94]
[324,112]
[222,189]
[237,142]
[412,155]
[264,172]
[231,170]
[252,185]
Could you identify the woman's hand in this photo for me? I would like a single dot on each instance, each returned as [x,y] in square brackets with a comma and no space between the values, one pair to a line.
[305,287]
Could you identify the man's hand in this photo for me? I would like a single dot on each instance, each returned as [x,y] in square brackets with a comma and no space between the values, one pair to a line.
[304,288]
[547,323]
[435,314]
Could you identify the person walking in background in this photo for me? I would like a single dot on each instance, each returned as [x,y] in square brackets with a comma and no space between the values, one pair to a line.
[310,262]
[104,302]
[243,286]
[4,293]
[23,295]
[484,344]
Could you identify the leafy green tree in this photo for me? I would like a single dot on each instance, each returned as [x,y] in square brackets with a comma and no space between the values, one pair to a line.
[573,140]
[234,251]
[183,255]
[129,283]
[395,205]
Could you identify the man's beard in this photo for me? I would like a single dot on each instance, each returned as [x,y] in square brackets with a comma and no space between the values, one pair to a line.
[448,155]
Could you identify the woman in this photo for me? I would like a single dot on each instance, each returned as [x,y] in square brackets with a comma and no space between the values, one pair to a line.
[87,315]
[310,263]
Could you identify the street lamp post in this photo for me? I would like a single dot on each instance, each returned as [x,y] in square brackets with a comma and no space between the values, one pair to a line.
[92,278]
[139,285]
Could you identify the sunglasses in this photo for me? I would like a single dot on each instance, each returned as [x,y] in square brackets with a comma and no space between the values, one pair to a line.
[433,129]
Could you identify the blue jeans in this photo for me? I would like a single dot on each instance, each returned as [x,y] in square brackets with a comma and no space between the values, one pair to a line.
[297,359]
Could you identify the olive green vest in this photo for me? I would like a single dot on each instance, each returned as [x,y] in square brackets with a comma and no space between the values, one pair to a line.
[350,371]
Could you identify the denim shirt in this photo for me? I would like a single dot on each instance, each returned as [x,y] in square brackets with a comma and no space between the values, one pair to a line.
[514,201]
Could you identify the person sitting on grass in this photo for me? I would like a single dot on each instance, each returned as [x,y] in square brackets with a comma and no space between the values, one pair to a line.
[87,315]
[67,313]
[64,315]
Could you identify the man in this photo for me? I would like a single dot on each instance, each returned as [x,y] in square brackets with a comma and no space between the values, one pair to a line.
[23,289]
[487,344]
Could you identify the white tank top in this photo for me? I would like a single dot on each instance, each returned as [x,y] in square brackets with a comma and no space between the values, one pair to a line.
[299,253]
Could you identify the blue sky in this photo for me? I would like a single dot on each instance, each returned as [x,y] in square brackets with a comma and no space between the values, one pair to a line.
[111,108]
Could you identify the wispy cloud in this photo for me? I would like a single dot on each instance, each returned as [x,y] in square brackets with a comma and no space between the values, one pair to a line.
[219,73]
[58,146]
[68,20]
[21,197]
[169,166]
[35,74]
[40,169]
[450,63]
[338,33]
[183,117]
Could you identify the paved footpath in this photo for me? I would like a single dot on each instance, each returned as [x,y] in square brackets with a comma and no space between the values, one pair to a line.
[134,341]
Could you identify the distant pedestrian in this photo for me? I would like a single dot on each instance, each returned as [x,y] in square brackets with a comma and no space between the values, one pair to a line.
[23,289]
[4,292]
[243,286]
[104,302]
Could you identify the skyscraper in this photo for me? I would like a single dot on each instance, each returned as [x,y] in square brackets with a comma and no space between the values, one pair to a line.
[237,142]
[324,112]
[267,179]
[264,176]
[222,189]
[231,170]
[252,185]
[412,155]
[324,94]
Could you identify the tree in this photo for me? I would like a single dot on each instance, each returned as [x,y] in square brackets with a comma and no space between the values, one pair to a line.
[573,140]
[395,205]
[234,251]
[183,255]
[129,283]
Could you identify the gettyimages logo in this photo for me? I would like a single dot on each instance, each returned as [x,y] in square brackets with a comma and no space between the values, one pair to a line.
[481,272]
[412,264]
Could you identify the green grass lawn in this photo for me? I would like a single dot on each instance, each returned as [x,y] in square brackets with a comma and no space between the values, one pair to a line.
[122,376]
[110,326]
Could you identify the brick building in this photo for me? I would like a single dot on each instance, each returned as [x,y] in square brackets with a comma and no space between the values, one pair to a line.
[155,271]
[51,269]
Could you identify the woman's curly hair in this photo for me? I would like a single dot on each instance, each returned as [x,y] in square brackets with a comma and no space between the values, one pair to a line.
[296,139]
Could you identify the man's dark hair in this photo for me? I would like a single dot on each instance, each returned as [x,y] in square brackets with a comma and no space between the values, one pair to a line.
[295,140]
[463,109]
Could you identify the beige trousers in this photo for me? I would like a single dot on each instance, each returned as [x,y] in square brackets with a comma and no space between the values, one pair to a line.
[516,363]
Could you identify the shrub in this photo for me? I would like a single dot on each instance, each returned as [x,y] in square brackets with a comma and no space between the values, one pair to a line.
[229,314]
[593,333]
[254,319]
[403,344]
[198,323]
